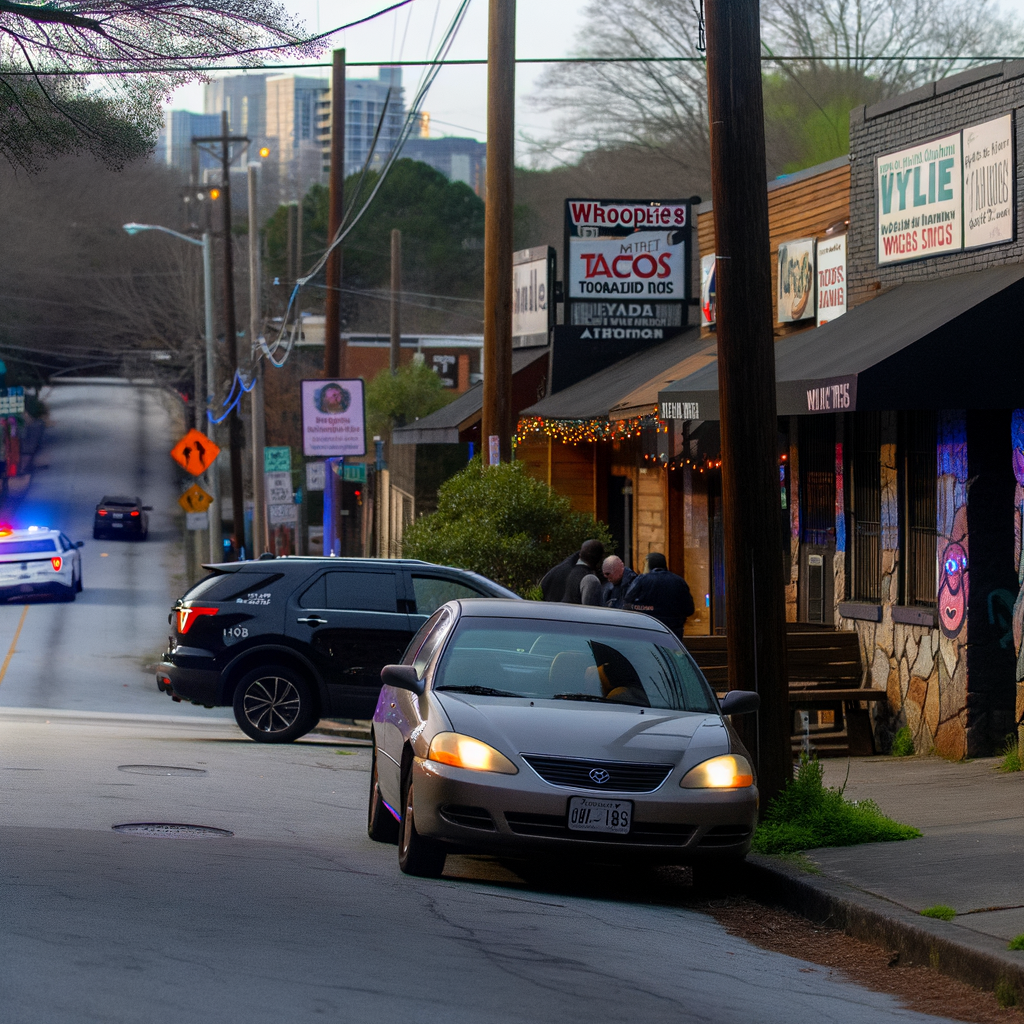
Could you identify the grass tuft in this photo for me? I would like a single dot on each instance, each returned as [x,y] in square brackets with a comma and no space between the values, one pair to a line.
[903,743]
[1006,994]
[1012,761]
[807,815]
[940,911]
[1017,942]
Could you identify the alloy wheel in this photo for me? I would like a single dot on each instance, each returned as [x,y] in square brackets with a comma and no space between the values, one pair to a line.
[271,704]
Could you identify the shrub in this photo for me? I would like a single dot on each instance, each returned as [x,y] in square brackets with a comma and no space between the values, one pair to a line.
[807,815]
[903,742]
[940,911]
[1017,942]
[403,397]
[1012,761]
[502,523]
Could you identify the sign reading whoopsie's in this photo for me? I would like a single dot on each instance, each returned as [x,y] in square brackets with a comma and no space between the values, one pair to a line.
[628,264]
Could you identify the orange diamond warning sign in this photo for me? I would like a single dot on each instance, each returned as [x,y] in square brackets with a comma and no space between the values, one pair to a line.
[195,452]
[195,499]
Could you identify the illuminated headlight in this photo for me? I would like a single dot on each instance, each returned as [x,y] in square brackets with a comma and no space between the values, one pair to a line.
[729,771]
[465,752]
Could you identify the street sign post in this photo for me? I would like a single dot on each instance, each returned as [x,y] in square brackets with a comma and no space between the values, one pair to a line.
[315,476]
[277,460]
[197,520]
[195,500]
[195,452]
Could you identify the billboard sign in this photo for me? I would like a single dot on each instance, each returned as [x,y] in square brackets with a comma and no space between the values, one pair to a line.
[628,265]
[796,280]
[831,278]
[533,275]
[988,182]
[333,418]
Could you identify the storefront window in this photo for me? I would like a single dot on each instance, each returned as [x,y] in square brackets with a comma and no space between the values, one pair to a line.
[864,509]
[920,480]
[817,440]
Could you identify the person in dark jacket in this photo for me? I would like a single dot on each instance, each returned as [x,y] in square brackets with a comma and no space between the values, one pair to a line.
[662,594]
[553,584]
[619,578]
[583,584]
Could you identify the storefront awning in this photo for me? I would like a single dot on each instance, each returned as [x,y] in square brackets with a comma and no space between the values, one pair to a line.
[629,387]
[947,343]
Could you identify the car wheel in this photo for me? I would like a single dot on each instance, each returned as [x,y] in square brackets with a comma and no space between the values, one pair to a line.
[381,826]
[78,585]
[417,855]
[274,704]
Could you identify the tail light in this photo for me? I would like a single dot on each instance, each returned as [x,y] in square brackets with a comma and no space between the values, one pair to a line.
[101,511]
[188,616]
[135,512]
[56,562]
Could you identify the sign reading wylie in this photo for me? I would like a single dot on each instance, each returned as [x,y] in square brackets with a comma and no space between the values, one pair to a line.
[332,418]
[919,208]
[533,271]
[988,182]
[627,265]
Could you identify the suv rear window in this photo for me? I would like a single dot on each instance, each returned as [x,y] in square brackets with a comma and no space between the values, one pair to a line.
[230,586]
[25,547]
[352,590]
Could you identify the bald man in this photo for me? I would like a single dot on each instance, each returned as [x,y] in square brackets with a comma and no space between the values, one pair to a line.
[618,577]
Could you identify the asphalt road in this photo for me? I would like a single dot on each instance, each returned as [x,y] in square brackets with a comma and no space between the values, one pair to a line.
[90,655]
[299,917]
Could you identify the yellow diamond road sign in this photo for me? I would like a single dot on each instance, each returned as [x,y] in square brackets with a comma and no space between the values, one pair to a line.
[195,499]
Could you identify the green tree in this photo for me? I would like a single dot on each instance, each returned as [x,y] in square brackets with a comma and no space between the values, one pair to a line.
[394,399]
[502,523]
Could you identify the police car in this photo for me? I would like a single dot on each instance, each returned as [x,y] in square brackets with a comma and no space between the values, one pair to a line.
[38,560]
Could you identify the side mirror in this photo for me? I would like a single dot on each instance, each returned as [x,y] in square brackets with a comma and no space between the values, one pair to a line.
[740,702]
[80,544]
[402,677]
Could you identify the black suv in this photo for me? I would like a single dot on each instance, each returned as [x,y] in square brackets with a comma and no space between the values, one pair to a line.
[286,641]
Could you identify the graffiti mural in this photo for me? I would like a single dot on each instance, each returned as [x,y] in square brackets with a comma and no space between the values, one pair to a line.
[953,583]
[1017,433]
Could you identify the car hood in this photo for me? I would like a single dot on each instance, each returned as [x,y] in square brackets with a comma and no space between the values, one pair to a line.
[608,732]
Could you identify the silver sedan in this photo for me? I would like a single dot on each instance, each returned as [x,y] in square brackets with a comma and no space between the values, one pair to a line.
[543,730]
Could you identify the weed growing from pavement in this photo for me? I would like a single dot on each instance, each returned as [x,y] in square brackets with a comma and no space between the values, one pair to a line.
[1012,761]
[1017,942]
[807,815]
[1006,994]
[940,911]
[801,861]
[903,743]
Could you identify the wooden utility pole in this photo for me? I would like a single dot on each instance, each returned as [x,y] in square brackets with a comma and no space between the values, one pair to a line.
[289,271]
[257,425]
[334,349]
[231,337]
[396,298]
[501,93]
[755,599]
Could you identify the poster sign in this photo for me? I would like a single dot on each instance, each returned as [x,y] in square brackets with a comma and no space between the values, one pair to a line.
[919,201]
[796,280]
[533,272]
[493,449]
[831,275]
[628,265]
[315,476]
[333,419]
[708,306]
[988,182]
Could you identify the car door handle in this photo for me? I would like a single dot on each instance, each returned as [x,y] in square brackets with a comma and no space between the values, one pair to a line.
[313,620]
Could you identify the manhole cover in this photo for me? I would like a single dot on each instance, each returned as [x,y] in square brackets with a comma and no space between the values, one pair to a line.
[159,769]
[163,829]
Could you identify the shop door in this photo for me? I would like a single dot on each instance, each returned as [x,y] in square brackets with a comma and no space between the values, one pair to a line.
[716,541]
[817,469]
[620,517]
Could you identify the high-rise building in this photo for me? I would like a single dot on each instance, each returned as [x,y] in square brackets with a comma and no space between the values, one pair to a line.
[367,100]
[174,143]
[458,159]
[244,97]
[293,105]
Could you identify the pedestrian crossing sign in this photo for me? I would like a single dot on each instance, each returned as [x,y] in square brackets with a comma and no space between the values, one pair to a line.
[195,499]
[195,452]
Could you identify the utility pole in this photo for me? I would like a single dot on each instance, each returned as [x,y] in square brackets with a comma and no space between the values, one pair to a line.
[501,92]
[257,426]
[396,298]
[289,272]
[213,473]
[755,600]
[334,350]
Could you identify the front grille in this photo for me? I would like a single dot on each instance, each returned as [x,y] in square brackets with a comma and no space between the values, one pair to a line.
[725,835]
[469,817]
[622,776]
[553,826]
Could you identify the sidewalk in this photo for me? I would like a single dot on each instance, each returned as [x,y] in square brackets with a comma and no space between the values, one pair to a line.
[970,857]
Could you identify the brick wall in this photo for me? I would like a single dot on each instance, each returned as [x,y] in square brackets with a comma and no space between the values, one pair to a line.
[938,108]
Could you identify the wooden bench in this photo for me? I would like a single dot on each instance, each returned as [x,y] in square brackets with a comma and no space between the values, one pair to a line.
[825,674]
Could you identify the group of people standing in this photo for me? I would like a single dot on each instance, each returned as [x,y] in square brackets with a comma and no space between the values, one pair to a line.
[588,577]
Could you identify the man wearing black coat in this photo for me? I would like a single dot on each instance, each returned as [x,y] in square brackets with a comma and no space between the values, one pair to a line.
[583,583]
[662,594]
[553,584]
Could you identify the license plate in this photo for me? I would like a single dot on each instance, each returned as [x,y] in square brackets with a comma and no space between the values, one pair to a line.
[587,814]
[117,515]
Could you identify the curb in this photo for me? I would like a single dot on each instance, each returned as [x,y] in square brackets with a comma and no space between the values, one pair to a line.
[328,727]
[978,960]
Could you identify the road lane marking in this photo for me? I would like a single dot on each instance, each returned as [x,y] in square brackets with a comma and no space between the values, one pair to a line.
[14,643]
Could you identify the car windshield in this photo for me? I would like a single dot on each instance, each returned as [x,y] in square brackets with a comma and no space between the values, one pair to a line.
[26,547]
[572,662]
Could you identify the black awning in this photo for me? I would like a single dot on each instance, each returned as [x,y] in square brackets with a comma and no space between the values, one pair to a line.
[947,343]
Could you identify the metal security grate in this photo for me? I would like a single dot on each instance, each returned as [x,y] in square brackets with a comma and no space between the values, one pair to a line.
[604,776]
[165,830]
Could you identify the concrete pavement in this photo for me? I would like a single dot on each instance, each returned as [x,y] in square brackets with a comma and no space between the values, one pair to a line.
[970,857]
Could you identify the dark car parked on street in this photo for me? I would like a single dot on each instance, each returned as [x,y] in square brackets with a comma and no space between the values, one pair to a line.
[288,641]
[118,516]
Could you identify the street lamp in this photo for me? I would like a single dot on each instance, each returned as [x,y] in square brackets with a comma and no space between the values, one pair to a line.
[206,244]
